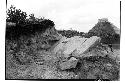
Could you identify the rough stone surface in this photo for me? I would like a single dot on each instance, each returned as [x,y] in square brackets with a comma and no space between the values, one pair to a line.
[73,44]
[71,63]
[89,43]
[68,45]
[58,46]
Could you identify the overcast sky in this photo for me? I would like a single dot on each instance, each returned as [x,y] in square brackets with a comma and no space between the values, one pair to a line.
[80,15]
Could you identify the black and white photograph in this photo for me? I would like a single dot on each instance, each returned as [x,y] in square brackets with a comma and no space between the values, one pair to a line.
[63,40]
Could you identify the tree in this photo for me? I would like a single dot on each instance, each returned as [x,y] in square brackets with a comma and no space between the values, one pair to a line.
[16,15]
[34,20]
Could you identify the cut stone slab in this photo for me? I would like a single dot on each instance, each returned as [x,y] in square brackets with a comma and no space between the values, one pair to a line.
[72,44]
[84,47]
[71,63]
[59,45]
[68,45]
[75,46]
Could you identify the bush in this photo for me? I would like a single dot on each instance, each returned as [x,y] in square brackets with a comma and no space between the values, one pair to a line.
[70,33]
[16,15]
[18,25]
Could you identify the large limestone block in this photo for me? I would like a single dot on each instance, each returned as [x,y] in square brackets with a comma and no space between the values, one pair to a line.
[71,63]
[75,46]
[67,45]
[90,42]
[59,45]
[72,45]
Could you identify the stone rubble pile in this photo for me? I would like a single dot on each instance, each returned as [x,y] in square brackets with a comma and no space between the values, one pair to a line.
[74,48]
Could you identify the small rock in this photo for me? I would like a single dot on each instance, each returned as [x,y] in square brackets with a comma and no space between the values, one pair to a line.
[71,63]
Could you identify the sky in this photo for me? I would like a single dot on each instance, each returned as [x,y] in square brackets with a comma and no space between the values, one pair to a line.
[80,15]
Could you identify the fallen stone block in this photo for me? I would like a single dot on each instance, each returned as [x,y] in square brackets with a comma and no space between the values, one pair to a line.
[72,44]
[71,63]
[59,45]
[84,47]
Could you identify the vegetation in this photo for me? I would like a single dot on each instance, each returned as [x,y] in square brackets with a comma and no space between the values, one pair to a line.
[24,26]
[16,15]
[25,37]
[105,31]
[70,33]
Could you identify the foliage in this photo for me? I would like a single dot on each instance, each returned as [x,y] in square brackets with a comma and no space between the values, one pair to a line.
[18,25]
[16,15]
[15,32]
[105,31]
[26,34]
[70,33]
[34,20]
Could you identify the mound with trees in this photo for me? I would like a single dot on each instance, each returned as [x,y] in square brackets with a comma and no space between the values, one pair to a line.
[109,33]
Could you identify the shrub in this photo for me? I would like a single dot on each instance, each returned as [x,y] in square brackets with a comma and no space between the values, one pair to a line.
[70,33]
[16,15]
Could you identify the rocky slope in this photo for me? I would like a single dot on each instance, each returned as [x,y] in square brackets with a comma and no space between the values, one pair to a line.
[48,55]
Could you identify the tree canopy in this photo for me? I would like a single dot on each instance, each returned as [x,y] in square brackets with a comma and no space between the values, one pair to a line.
[16,15]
